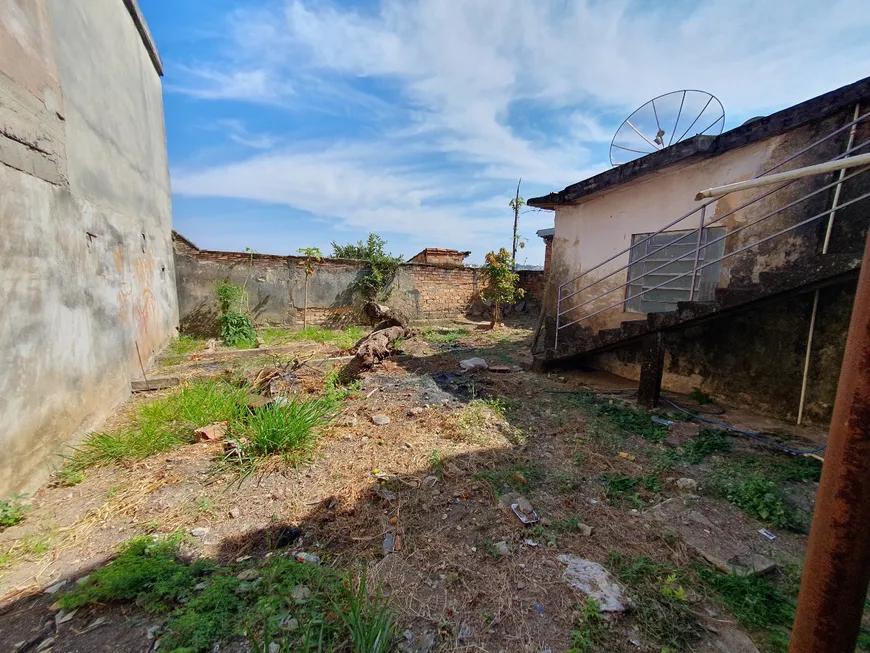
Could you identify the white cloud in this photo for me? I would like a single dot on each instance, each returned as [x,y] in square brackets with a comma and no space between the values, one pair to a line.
[462,71]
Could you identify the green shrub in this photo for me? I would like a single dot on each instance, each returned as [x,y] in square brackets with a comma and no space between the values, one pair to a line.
[761,498]
[237,330]
[13,510]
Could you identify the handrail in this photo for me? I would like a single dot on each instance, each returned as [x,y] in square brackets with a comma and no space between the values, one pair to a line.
[708,243]
[726,256]
[698,231]
[861,118]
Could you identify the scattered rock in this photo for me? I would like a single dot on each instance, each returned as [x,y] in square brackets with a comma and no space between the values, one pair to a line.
[470,364]
[278,494]
[681,432]
[153,632]
[249,574]
[416,410]
[256,402]
[593,580]
[200,531]
[430,481]
[63,616]
[54,589]
[96,624]
[259,343]
[290,623]
[301,593]
[347,421]
[503,548]
[45,645]
[466,632]
[750,564]
[244,587]
[423,643]
[385,494]
[585,530]
[211,433]
[82,580]
[200,586]
[235,513]
[687,483]
[380,420]
[274,647]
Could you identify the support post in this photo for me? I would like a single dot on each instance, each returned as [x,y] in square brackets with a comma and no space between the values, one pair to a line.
[837,567]
[652,366]
[697,252]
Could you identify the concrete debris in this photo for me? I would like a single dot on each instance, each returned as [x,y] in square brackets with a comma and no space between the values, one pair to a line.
[45,645]
[502,548]
[423,643]
[593,580]
[274,647]
[248,574]
[718,546]
[200,531]
[416,410]
[94,625]
[211,433]
[471,364]
[153,632]
[585,530]
[466,632]
[430,481]
[389,543]
[54,589]
[289,623]
[63,616]
[687,483]
[380,420]
[235,513]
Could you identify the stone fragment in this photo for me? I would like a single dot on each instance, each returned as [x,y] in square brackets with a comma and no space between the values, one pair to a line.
[593,580]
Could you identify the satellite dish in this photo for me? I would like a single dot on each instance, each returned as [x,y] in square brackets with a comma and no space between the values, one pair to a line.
[665,120]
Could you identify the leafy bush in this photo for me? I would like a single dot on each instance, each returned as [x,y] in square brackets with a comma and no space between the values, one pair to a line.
[761,498]
[381,269]
[237,330]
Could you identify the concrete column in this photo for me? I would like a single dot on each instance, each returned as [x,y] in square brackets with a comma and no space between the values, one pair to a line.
[651,369]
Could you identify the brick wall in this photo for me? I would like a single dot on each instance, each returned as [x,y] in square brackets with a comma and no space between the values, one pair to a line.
[534,282]
[436,292]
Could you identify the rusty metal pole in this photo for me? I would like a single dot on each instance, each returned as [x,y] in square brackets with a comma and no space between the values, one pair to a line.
[837,564]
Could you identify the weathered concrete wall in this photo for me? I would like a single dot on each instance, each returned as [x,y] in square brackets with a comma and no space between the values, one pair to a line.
[755,358]
[86,261]
[276,288]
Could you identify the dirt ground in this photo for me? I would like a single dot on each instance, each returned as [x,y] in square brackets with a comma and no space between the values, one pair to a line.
[464,573]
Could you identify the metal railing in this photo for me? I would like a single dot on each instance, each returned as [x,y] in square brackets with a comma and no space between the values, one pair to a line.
[568,289]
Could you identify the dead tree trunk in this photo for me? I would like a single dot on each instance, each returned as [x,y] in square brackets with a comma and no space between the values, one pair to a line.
[377,345]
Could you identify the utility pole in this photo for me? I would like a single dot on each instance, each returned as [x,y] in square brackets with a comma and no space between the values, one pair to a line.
[515,204]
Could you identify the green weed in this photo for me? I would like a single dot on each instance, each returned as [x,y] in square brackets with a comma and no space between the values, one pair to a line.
[749,487]
[343,339]
[27,548]
[287,429]
[757,603]
[660,608]
[436,462]
[610,419]
[621,489]
[13,510]
[589,628]
[161,425]
[298,606]
[700,396]
[569,524]
[518,477]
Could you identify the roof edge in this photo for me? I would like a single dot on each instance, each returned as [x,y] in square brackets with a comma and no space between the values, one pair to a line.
[145,34]
[702,146]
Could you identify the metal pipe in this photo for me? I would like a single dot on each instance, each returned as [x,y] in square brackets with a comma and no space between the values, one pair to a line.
[825,244]
[558,315]
[797,173]
[697,253]
[721,258]
[837,567]
[715,240]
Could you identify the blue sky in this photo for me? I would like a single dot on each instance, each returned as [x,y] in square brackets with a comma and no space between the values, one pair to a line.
[293,123]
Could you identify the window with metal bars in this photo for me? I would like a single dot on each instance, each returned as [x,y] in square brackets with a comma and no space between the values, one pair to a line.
[675,259]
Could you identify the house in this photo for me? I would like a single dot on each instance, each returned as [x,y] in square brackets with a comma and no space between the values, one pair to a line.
[86,261]
[437,256]
[744,287]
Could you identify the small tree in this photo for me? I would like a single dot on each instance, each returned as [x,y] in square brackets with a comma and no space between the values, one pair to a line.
[312,256]
[382,265]
[501,283]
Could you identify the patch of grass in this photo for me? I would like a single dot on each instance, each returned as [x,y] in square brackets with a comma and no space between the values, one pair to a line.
[660,610]
[518,477]
[589,629]
[442,335]
[27,548]
[623,490]
[161,425]
[612,417]
[67,477]
[13,510]
[298,606]
[288,429]
[477,414]
[570,524]
[343,339]
[694,452]
[700,396]
[180,348]
[757,603]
